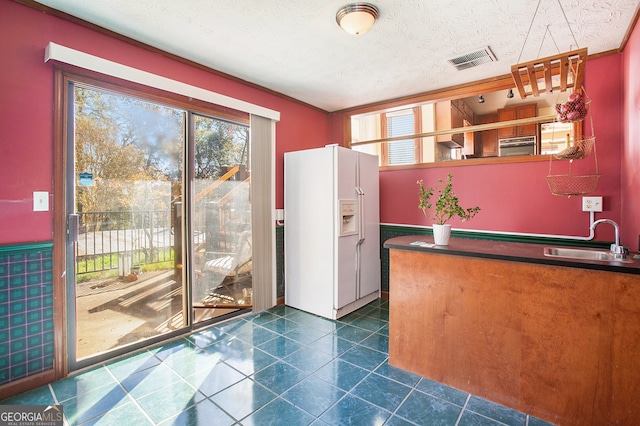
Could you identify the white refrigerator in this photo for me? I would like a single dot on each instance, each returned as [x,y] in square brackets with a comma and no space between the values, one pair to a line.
[332,230]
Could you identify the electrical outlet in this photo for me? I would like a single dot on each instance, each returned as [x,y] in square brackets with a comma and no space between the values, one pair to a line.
[591,204]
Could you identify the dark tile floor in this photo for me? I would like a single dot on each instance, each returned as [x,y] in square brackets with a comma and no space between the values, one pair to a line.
[278,367]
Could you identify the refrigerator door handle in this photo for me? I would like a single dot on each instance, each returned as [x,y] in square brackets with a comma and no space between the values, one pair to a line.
[358,277]
[360,193]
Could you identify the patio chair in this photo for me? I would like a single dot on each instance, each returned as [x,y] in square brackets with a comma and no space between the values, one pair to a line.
[224,269]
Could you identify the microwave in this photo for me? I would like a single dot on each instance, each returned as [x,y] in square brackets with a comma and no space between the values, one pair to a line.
[517,146]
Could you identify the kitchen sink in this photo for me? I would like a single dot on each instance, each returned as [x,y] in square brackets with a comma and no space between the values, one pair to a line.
[583,254]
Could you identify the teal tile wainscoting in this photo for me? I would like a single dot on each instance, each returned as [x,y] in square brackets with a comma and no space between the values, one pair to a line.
[26,311]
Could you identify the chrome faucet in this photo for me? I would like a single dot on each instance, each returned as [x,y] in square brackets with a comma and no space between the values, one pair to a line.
[617,250]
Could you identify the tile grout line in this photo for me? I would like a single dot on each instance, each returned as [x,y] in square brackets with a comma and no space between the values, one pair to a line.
[282,359]
[370,372]
[53,393]
[307,377]
[208,397]
[413,388]
[347,393]
[57,402]
[135,401]
[464,407]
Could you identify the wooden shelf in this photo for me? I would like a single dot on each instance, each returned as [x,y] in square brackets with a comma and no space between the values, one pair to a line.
[558,72]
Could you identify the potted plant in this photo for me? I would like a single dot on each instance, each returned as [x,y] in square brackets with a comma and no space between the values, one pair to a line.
[444,208]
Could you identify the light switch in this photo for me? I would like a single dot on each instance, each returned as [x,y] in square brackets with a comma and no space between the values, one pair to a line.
[40,201]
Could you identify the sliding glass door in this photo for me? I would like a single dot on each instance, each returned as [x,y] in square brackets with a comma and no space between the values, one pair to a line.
[158,213]
[221,225]
[127,179]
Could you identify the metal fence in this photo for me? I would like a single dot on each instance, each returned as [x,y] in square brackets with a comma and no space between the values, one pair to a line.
[123,239]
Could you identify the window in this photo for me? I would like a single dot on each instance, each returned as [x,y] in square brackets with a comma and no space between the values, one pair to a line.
[400,123]
[555,137]
[441,115]
[389,125]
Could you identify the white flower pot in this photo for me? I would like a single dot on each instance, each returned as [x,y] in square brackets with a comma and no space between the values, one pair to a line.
[441,234]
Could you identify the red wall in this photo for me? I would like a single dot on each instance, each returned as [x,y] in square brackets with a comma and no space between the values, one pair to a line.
[516,197]
[26,114]
[630,184]
[513,197]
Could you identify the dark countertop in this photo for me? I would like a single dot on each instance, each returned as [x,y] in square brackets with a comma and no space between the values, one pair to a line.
[516,252]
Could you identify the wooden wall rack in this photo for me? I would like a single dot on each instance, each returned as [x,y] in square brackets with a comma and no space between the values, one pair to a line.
[568,66]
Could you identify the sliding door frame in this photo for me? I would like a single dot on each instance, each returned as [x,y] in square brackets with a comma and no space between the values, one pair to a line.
[64,76]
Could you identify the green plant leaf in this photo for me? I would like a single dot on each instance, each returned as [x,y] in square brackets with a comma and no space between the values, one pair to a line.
[446,204]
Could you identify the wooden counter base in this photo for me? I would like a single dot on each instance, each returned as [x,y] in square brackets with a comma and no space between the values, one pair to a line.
[562,344]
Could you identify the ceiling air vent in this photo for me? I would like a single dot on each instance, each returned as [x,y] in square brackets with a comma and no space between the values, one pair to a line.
[473,59]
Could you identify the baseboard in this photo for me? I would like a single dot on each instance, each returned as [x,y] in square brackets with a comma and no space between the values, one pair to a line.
[31,382]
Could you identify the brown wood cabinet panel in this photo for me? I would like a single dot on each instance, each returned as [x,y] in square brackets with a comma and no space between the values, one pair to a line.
[489,138]
[559,343]
[514,113]
[448,117]
[470,147]
[626,349]
[457,118]
[527,111]
[507,114]
[469,113]
[454,114]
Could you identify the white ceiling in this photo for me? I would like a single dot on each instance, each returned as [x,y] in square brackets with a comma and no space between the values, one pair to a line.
[295,47]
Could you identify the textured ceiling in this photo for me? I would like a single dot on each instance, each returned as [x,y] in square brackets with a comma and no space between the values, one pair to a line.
[295,47]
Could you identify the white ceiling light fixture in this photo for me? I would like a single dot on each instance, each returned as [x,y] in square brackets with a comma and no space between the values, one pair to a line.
[357,18]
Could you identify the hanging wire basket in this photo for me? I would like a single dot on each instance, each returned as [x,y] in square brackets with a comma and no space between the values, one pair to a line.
[570,184]
[575,109]
[581,148]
